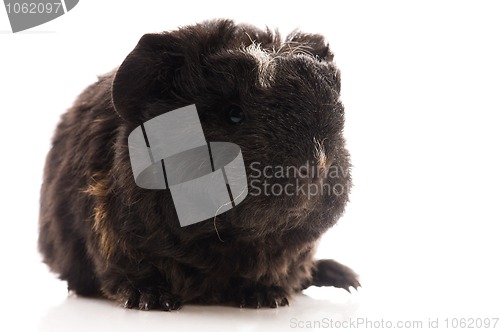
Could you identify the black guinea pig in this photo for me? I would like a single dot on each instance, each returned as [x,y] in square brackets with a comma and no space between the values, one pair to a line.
[277,99]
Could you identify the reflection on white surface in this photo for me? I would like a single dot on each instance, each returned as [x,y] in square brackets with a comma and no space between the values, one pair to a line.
[85,314]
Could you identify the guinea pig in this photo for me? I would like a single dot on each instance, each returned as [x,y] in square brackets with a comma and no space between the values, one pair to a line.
[277,98]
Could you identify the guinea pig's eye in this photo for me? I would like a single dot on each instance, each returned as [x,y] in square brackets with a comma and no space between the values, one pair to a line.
[235,114]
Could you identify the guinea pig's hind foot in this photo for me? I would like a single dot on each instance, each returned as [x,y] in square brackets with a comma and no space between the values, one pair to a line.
[328,272]
[262,296]
[148,298]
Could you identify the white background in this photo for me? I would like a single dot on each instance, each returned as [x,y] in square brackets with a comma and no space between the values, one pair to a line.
[421,89]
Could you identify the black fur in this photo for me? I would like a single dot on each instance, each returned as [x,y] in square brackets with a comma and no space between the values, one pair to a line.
[105,235]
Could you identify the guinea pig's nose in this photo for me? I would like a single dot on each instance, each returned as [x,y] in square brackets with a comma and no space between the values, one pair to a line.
[315,169]
[312,172]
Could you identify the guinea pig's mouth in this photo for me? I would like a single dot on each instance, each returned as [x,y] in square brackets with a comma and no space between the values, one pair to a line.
[304,206]
[299,212]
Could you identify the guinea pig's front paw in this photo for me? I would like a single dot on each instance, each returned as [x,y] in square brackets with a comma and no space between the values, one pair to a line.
[148,298]
[262,296]
[331,273]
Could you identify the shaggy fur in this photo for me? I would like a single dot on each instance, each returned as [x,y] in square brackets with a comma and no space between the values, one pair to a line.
[104,235]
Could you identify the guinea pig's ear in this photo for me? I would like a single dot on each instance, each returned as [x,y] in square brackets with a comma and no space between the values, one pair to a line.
[145,74]
[311,44]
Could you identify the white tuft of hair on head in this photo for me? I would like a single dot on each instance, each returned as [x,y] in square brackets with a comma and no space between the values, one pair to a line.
[266,65]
